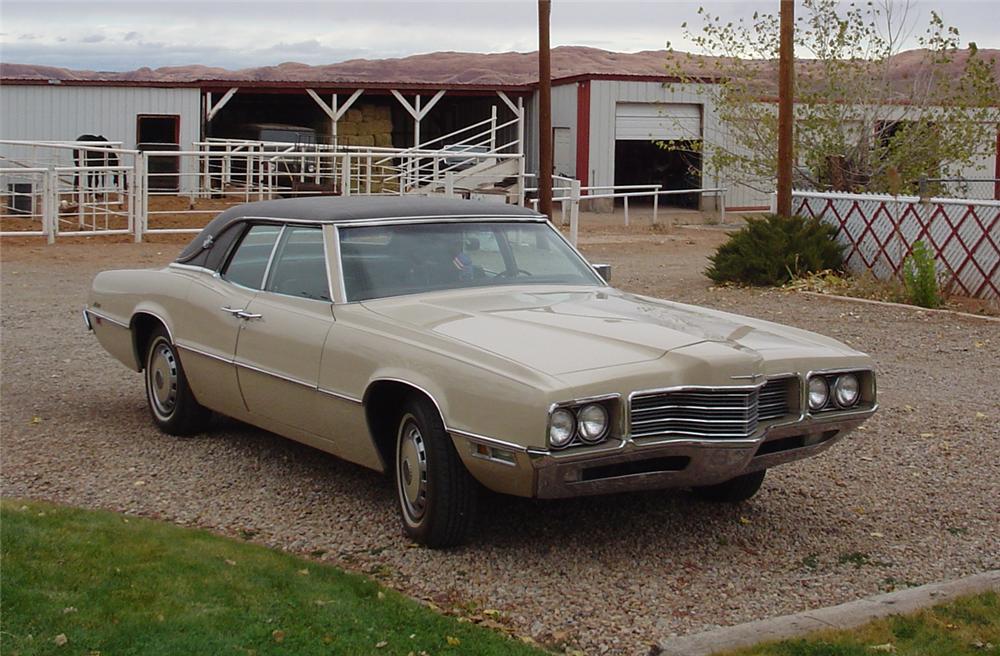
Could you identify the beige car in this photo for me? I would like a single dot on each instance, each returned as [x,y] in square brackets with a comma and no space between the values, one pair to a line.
[455,344]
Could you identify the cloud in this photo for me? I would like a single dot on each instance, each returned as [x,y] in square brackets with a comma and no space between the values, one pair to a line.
[93,38]
[27,37]
[131,36]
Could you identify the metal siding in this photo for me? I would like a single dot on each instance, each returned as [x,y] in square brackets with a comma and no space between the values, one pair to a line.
[31,112]
[646,121]
[564,116]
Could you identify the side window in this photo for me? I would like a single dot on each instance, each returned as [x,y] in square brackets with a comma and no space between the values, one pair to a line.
[249,262]
[299,266]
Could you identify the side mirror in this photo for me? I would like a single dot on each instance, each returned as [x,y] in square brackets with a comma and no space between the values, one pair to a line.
[604,271]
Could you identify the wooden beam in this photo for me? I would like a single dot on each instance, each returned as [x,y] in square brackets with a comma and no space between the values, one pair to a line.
[507,101]
[214,109]
[786,118]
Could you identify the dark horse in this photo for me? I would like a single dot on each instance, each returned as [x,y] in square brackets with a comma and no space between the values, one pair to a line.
[82,157]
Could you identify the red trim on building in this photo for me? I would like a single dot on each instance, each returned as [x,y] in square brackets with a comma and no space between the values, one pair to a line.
[583,132]
[631,77]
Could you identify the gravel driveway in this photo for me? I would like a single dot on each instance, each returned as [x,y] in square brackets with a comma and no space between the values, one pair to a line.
[910,499]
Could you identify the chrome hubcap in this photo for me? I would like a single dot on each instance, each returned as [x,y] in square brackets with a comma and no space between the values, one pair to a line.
[162,379]
[411,470]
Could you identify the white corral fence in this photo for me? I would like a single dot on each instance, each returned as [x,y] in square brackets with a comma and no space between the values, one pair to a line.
[879,231]
[93,188]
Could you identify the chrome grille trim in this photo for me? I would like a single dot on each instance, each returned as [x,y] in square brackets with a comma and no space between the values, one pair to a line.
[711,412]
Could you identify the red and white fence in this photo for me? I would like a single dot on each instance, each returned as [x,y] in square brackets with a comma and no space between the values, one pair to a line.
[879,232]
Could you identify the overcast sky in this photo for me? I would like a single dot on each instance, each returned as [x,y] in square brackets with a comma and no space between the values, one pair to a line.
[123,35]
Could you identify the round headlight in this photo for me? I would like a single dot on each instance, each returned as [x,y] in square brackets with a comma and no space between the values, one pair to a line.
[562,425]
[593,422]
[819,392]
[846,390]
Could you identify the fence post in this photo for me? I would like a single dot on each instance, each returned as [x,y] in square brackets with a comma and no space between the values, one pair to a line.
[626,208]
[721,195]
[449,184]
[345,173]
[50,205]
[656,208]
[773,203]
[493,130]
[574,212]
[142,186]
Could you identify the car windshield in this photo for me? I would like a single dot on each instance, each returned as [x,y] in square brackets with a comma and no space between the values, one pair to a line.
[394,260]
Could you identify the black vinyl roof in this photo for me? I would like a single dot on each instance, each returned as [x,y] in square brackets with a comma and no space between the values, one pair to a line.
[341,209]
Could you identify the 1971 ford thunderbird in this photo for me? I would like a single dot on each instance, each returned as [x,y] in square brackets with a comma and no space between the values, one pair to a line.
[456,344]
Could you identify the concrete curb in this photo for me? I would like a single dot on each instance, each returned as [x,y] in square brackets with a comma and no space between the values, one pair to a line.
[904,306]
[844,616]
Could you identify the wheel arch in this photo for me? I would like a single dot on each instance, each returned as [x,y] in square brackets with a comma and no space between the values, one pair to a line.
[142,325]
[382,403]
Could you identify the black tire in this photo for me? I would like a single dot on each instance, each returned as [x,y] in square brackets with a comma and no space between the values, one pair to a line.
[734,490]
[436,495]
[172,405]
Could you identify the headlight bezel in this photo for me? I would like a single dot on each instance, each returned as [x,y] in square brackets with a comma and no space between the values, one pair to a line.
[864,398]
[609,404]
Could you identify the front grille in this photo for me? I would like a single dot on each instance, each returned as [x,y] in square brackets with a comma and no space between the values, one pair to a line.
[773,401]
[710,413]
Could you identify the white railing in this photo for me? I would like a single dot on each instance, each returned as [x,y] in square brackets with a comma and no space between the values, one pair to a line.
[112,190]
[569,192]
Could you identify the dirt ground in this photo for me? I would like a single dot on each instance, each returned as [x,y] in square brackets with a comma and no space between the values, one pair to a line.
[908,500]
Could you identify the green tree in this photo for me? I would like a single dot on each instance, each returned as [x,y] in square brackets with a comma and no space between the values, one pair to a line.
[869,117]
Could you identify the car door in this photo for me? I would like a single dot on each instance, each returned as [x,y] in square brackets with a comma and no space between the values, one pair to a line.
[284,328]
[215,301]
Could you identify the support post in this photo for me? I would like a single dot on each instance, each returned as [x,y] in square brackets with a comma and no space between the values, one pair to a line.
[50,205]
[786,76]
[545,111]
[656,207]
[574,212]
[626,210]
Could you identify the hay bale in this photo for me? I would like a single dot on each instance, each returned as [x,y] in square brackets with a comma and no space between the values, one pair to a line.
[369,112]
[360,140]
[354,116]
[383,112]
[383,140]
[347,128]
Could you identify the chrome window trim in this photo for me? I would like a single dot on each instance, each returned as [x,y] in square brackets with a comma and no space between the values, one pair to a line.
[332,240]
[270,258]
[191,267]
[601,283]
[416,218]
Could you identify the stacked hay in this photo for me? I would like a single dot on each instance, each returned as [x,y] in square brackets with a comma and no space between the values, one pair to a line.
[367,125]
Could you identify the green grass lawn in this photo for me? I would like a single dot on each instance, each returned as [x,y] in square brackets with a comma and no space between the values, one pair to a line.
[969,626]
[82,582]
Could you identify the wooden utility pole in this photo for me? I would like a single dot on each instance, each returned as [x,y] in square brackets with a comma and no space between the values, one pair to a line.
[544,110]
[786,111]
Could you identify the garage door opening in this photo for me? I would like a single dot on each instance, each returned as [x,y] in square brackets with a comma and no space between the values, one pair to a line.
[644,162]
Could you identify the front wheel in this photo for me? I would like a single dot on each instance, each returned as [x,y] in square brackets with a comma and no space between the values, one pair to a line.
[734,490]
[437,495]
[171,403]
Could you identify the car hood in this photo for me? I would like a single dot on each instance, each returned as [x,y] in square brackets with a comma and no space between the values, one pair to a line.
[560,331]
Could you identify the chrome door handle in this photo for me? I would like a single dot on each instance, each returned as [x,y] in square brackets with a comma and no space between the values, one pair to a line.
[236,311]
[248,315]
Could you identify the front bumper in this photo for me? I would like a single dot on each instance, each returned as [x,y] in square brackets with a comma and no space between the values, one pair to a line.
[685,463]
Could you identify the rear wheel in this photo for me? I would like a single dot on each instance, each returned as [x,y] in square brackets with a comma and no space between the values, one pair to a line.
[437,495]
[171,403]
[734,490]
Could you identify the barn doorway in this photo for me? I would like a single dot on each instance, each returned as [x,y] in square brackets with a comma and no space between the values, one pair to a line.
[645,162]
[160,132]
[639,159]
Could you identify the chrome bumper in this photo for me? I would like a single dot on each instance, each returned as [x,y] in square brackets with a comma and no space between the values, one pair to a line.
[684,463]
